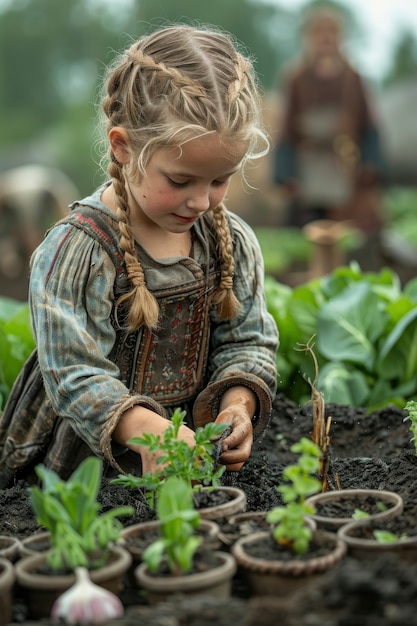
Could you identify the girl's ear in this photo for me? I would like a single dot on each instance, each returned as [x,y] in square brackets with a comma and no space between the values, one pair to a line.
[120,145]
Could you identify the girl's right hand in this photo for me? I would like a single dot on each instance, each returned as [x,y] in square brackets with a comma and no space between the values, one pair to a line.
[136,422]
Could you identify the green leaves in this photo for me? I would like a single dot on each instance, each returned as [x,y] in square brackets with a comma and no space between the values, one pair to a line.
[366,329]
[195,465]
[70,511]
[179,520]
[289,520]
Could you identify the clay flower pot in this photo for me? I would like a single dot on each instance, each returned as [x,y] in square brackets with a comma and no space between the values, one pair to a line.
[35,543]
[137,537]
[220,502]
[7,580]
[40,587]
[270,572]
[362,544]
[9,547]
[336,508]
[242,524]
[214,581]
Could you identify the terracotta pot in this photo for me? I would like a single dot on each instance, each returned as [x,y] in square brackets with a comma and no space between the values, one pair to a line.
[279,577]
[234,502]
[361,543]
[335,508]
[215,582]
[7,580]
[35,543]
[138,536]
[242,524]
[40,587]
[9,547]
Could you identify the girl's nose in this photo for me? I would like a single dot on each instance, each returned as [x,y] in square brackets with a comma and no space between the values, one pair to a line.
[199,200]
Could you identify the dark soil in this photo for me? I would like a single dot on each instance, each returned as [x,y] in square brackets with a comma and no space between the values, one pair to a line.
[367,451]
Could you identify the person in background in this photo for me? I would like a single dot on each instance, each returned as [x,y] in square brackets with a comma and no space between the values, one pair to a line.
[150,295]
[328,159]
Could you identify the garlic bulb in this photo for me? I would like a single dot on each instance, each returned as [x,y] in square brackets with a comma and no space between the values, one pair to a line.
[86,603]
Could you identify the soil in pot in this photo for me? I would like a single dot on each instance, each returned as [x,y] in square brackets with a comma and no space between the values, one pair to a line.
[362,543]
[273,569]
[333,509]
[211,575]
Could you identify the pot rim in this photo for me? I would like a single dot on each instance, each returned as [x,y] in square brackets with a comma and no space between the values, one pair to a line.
[296,567]
[200,580]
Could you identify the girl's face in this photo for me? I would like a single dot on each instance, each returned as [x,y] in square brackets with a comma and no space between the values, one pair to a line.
[183,183]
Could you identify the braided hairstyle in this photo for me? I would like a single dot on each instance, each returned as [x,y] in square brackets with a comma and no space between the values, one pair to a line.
[171,86]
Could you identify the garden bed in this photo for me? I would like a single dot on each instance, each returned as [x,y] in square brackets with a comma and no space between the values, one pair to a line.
[367,451]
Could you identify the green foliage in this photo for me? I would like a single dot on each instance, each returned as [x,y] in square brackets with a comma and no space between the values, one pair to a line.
[69,510]
[290,528]
[366,331]
[194,465]
[179,520]
[16,343]
[411,407]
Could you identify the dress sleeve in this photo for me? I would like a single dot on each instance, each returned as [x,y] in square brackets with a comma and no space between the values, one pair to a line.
[243,350]
[71,300]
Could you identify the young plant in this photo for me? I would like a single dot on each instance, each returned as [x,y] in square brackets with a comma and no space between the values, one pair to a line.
[411,407]
[198,466]
[69,510]
[179,520]
[385,536]
[290,529]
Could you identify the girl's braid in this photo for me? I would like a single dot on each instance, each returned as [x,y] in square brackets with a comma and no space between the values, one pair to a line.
[143,309]
[227,303]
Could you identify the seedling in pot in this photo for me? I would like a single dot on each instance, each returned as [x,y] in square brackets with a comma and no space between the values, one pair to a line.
[198,466]
[179,520]
[289,521]
[80,536]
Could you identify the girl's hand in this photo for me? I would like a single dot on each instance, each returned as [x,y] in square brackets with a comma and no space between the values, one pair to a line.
[136,422]
[237,407]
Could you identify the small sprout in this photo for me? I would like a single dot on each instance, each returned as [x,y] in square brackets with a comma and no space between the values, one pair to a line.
[358,514]
[385,536]
[381,506]
[86,603]
[289,520]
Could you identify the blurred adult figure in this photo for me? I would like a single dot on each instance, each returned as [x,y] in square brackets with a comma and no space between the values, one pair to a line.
[328,158]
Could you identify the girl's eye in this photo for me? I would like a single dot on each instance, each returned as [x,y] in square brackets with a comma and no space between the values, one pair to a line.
[219,183]
[173,183]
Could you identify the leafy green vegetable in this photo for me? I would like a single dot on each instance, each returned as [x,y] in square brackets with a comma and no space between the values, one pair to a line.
[366,337]
[69,510]
[16,343]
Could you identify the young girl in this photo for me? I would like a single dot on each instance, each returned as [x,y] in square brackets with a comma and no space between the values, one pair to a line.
[149,295]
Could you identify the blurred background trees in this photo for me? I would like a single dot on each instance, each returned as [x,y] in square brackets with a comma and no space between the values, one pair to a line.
[54,55]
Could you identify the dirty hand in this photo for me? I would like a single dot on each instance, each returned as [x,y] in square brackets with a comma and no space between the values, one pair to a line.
[237,407]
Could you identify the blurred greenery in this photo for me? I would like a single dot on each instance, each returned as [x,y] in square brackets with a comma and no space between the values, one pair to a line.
[49,83]
[54,54]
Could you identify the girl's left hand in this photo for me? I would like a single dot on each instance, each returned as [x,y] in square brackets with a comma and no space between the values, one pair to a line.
[237,446]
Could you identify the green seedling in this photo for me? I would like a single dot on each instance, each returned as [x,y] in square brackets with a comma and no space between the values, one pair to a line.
[198,466]
[290,528]
[384,536]
[179,521]
[80,536]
